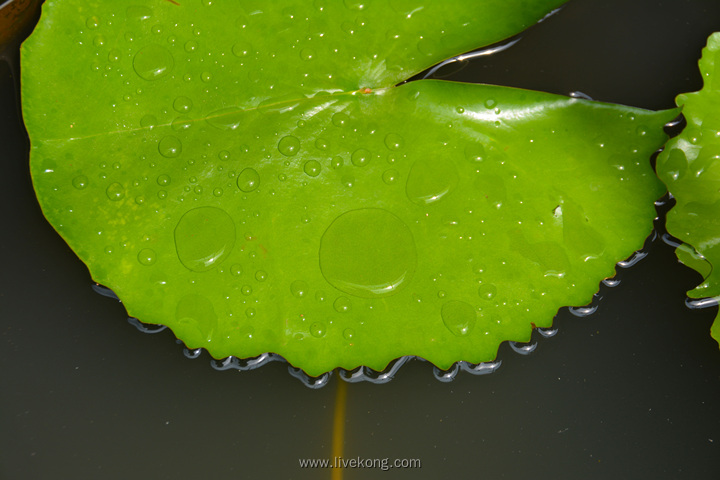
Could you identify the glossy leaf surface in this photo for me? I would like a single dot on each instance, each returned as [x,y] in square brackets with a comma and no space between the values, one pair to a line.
[690,167]
[252,178]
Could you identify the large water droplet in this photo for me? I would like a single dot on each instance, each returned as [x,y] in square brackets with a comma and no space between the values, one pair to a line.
[196,319]
[289,146]
[431,180]
[458,317]
[248,180]
[170,147]
[204,237]
[368,253]
[153,62]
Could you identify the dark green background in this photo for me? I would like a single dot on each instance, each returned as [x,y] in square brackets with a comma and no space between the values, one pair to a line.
[632,391]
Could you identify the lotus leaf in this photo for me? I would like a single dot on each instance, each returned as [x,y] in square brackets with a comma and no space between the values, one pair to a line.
[251,175]
[690,167]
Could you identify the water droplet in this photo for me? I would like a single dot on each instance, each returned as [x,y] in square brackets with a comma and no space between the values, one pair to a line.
[368,253]
[342,304]
[114,56]
[157,29]
[475,152]
[347,180]
[153,62]
[246,290]
[148,121]
[224,155]
[139,13]
[393,141]
[80,182]
[340,119]
[431,180]
[241,49]
[140,199]
[355,4]
[261,275]
[92,22]
[458,317]
[487,291]
[299,288]
[289,146]
[206,77]
[146,256]
[115,192]
[460,110]
[336,162]
[236,269]
[307,54]
[317,330]
[250,312]
[204,237]
[322,144]
[163,180]
[170,147]
[312,168]
[320,296]
[196,317]
[218,192]
[248,180]
[191,46]
[162,194]
[441,294]
[490,103]
[390,176]
[361,157]
[99,41]
[348,333]
[182,104]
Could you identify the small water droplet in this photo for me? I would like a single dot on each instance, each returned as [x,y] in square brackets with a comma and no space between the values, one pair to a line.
[475,152]
[289,146]
[191,46]
[206,77]
[261,275]
[299,288]
[458,317]
[431,180]
[218,192]
[224,155]
[182,104]
[361,157]
[441,294]
[246,290]
[99,41]
[317,330]
[241,49]
[342,304]
[148,121]
[115,192]
[236,269]
[170,147]
[340,119]
[312,168]
[92,22]
[368,253]
[153,62]
[460,110]
[114,56]
[393,141]
[322,144]
[140,199]
[320,296]
[163,180]
[248,180]
[138,13]
[348,333]
[307,54]
[487,291]
[390,176]
[336,162]
[146,256]
[490,103]
[250,312]
[204,237]
[347,180]
[80,182]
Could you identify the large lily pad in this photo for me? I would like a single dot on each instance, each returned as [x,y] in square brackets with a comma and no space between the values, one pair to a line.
[690,167]
[251,177]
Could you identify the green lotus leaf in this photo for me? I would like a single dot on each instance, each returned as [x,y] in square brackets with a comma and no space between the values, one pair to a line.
[251,176]
[690,167]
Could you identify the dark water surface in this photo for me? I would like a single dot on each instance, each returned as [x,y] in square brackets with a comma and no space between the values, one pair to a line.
[631,391]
